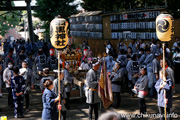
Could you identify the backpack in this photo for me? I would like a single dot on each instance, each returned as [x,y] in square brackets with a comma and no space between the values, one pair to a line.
[123,60]
[42,59]
[135,66]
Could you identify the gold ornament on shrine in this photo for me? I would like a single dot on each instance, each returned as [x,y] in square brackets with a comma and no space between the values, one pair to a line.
[59,33]
[165,27]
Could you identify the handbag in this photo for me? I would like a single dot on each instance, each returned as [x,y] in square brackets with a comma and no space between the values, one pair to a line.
[143,92]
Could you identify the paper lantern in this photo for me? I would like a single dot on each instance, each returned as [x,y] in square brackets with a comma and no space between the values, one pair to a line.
[3,117]
[165,27]
[59,33]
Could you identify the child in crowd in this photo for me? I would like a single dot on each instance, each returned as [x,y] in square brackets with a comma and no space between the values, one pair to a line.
[164,85]
[18,86]
[141,86]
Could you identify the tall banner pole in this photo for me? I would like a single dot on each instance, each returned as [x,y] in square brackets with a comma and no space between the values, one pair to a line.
[165,33]
[164,80]
[59,40]
[59,80]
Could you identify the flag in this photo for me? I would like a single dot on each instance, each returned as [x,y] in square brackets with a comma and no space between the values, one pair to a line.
[105,87]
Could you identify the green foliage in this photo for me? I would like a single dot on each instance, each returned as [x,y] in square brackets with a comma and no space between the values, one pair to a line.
[8,19]
[51,8]
[104,5]
[12,22]
[174,8]
[121,5]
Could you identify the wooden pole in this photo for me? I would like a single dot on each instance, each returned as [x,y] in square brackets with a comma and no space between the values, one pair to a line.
[59,81]
[30,25]
[164,81]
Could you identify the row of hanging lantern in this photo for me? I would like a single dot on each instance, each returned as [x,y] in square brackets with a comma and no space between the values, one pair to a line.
[81,19]
[135,16]
[86,34]
[4,23]
[133,25]
[134,35]
[86,26]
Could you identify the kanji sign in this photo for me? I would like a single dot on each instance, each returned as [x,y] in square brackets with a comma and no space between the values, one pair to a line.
[59,33]
[165,27]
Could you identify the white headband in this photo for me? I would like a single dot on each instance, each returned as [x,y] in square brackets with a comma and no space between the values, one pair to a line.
[95,64]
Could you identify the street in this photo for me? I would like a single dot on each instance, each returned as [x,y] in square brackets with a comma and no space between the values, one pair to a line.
[79,109]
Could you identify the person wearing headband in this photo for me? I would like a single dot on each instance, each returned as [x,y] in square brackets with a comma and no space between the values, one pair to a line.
[141,86]
[68,79]
[91,91]
[62,91]
[116,80]
[45,77]
[164,84]
[169,70]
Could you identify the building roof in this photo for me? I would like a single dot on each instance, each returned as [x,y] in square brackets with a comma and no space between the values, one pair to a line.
[90,13]
[134,11]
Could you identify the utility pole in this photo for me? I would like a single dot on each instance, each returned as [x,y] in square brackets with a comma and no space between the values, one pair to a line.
[30,26]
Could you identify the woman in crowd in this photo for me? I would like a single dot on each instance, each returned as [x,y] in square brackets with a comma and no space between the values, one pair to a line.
[129,51]
[50,100]
[7,74]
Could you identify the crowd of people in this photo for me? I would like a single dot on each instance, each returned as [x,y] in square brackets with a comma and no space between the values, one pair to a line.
[137,67]
[21,64]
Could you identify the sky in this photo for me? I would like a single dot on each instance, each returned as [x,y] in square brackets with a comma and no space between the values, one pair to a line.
[33,2]
[22,3]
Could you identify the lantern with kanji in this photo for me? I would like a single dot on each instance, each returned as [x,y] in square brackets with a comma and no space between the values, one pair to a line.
[165,27]
[59,33]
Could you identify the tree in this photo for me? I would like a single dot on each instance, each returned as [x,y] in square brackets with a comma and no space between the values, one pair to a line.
[51,8]
[9,20]
[116,5]
[103,5]
[174,8]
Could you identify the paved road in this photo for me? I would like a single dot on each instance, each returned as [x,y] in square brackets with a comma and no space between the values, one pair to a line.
[79,110]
